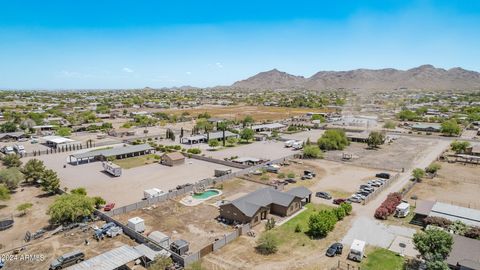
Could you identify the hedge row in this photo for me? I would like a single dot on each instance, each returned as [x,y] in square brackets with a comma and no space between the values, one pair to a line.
[388,206]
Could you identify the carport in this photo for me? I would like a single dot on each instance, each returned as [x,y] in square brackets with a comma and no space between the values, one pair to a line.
[109,260]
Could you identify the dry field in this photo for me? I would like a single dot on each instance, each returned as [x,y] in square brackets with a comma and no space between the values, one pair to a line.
[53,247]
[395,156]
[35,219]
[456,183]
[238,112]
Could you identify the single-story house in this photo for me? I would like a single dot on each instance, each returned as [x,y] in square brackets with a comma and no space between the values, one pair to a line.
[219,135]
[56,141]
[43,129]
[451,212]
[12,136]
[173,159]
[427,127]
[268,127]
[465,254]
[120,132]
[193,139]
[256,206]
[117,152]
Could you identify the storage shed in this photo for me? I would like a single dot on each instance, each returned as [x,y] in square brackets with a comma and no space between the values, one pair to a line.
[173,159]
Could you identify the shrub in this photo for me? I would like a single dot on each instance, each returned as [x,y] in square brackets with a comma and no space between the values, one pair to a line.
[298,228]
[267,243]
[333,139]
[388,206]
[340,213]
[437,221]
[312,151]
[195,151]
[433,168]
[347,208]
[473,232]
[381,213]
[321,223]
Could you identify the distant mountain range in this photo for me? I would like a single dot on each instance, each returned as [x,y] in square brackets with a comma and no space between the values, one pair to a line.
[423,77]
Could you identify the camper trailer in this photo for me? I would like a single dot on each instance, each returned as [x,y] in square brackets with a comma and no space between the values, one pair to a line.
[112,169]
[297,145]
[357,250]
[152,193]
[402,210]
[19,149]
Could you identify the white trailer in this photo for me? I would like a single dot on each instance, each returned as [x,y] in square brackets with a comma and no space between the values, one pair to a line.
[289,143]
[402,210]
[19,149]
[357,250]
[137,224]
[112,168]
[297,145]
[152,193]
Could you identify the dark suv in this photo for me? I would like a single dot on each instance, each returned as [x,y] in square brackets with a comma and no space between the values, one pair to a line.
[383,175]
[323,195]
[334,249]
[67,259]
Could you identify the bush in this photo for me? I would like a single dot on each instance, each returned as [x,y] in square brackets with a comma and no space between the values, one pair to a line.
[291,175]
[312,151]
[298,228]
[321,223]
[267,244]
[340,213]
[195,151]
[347,208]
[333,139]
[437,221]
[433,168]
[388,206]
[473,232]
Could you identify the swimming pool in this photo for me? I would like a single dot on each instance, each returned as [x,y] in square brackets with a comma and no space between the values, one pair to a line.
[206,194]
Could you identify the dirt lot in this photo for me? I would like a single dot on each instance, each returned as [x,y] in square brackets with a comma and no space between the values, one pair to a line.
[129,187]
[395,156]
[260,113]
[456,183]
[195,224]
[51,248]
[296,251]
[35,219]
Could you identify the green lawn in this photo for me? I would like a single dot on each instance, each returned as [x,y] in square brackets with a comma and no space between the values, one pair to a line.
[128,163]
[286,232]
[380,259]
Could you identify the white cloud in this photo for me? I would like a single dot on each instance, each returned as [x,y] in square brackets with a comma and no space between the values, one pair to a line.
[188,73]
[128,70]
[219,65]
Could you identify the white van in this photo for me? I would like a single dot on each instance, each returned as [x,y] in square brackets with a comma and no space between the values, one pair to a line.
[289,143]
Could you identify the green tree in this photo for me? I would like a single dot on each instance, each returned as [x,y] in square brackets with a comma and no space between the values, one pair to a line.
[161,263]
[213,143]
[312,151]
[64,131]
[434,246]
[70,208]
[231,140]
[450,128]
[407,115]
[321,223]
[459,146]
[203,123]
[318,117]
[33,170]
[4,193]
[24,207]
[270,224]
[11,160]
[375,139]
[98,201]
[50,182]
[267,243]
[247,134]
[340,213]
[333,139]
[418,174]
[11,177]
[79,191]
[248,120]
[8,127]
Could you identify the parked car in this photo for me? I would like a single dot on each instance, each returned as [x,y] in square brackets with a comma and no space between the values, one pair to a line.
[363,193]
[109,207]
[67,259]
[376,183]
[8,150]
[290,180]
[339,201]
[308,176]
[364,186]
[306,172]
[383,175]
[361,196]
[354,199]
[334,249]
[323,195]
[368,189]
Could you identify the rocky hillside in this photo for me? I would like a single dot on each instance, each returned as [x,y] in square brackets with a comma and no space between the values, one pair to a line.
[423,77]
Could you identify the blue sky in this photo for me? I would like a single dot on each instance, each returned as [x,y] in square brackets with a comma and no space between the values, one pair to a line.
[132,44]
